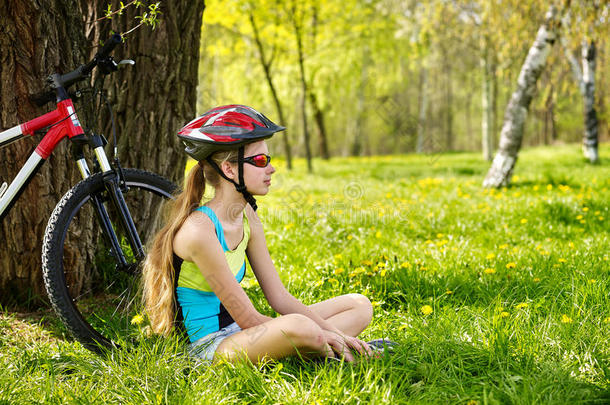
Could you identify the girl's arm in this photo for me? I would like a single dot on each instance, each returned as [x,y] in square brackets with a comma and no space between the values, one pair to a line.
[275,292]
[203,248]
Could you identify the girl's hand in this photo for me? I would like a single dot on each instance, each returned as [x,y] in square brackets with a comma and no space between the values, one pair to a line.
[342,345]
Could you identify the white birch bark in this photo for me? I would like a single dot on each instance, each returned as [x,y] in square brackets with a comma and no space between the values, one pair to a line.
[585,77]
[590,139]
[511,136]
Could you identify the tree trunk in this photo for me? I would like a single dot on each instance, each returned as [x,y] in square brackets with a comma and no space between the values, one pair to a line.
[590,139]
[448,93]
[164,97]
[423,109]
[360,133]
[47,36]
[318,116]
[486,102]
[266,64]
[511,136]
[37,38]
[297,25]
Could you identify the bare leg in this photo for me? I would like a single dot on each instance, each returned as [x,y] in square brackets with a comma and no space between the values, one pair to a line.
[350,313]
[280,337]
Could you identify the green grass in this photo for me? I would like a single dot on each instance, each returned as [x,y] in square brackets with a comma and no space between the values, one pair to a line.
[496,296]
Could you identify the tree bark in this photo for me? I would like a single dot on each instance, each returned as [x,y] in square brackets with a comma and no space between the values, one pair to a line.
[298,31]
[590,139]
[318,116]
[511,137]
[149,114]
[37,38]
[360,133]
[151,102]
[486,101]
[423,109]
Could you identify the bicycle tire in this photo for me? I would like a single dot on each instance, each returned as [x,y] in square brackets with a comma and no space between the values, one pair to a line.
[95,301]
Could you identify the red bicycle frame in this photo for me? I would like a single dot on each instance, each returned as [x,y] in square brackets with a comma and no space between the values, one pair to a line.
[63,123]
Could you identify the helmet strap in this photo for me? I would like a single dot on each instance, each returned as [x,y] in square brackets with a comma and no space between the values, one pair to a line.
[241,187]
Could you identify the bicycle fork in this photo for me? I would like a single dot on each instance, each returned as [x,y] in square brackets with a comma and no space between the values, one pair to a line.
[112,185]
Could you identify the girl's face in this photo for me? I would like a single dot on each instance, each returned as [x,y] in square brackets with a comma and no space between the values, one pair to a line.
[257,179]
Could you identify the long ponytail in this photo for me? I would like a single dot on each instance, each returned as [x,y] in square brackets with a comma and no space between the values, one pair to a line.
[158,277]
[158,271]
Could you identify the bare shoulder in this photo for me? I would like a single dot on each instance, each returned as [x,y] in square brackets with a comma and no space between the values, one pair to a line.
[256,226]
[197,232]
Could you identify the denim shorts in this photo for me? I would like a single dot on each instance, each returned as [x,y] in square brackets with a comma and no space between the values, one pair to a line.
[205,347]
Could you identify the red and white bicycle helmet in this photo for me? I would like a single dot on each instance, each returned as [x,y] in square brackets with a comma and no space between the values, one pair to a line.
[224,128]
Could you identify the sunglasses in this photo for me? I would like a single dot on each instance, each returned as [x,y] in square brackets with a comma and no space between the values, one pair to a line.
[260,160]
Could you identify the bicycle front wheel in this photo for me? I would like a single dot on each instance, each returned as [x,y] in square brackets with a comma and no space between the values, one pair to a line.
[95,297]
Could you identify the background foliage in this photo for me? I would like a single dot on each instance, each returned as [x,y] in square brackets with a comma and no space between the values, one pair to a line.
[365,62]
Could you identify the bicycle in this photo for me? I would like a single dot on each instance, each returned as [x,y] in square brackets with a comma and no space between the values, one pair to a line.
[90,267]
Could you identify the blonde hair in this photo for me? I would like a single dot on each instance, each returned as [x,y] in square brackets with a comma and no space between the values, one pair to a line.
[158,276]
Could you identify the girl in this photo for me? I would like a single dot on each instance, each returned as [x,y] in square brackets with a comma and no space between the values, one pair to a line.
[193,270]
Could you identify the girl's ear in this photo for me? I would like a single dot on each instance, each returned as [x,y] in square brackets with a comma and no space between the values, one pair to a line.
[228,170]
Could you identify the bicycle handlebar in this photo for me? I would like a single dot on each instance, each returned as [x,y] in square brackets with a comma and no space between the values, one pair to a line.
[102,58]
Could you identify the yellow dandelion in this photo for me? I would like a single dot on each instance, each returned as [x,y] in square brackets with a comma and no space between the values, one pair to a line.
[339,270]
[288,226]
[376,303]
[367,263]
[405,265]
[383,272]
[511,265]
[600,218]
[319,283]
[403,327]
[561,260]
[338,256]
[565,319]
[571,245]
[585,209]
[137,320]
[489,271]
[523,220]
[522,305]
[350,237]
[592,281]
[490,256]
[504,314]
[536,280]
[333,280]
[549,187]
[426,310]
[536,187]
[503,246]
[439,235]
[607,320]
[448,292]
[378,234]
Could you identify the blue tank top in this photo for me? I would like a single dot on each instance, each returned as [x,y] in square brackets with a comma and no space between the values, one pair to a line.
[201,310]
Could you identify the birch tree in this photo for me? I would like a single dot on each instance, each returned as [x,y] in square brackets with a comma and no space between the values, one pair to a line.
[585,78]
[511,136]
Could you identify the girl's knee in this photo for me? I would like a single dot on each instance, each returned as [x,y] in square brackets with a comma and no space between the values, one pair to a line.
[363,307]
[303,331]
